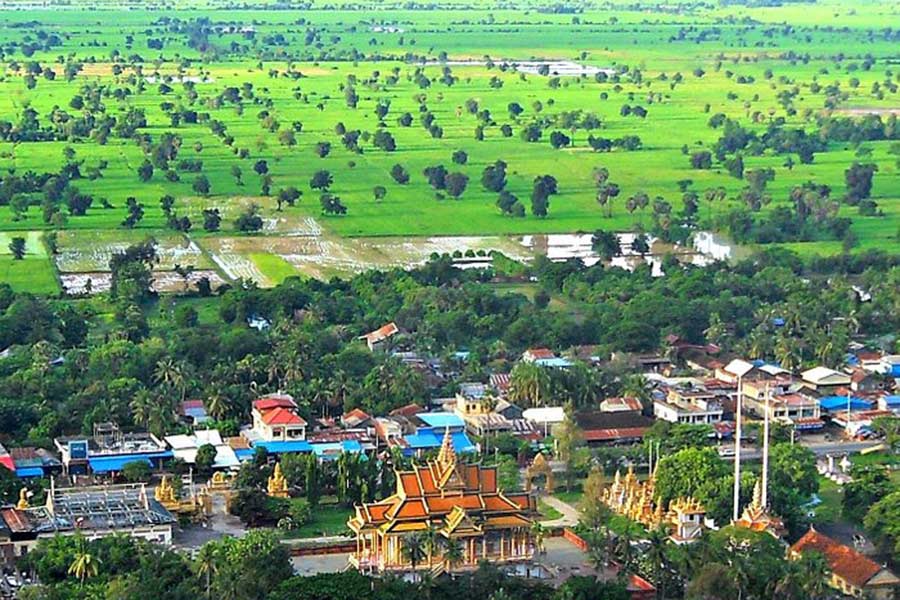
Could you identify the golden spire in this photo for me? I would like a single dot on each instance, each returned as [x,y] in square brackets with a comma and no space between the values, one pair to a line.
[23,499]
[447,455]
[757,495]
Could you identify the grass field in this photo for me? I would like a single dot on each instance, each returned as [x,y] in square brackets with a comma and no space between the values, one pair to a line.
[749,60]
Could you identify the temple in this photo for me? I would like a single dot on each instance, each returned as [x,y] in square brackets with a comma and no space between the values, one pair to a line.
[460,503]
[638,501]
[756,515]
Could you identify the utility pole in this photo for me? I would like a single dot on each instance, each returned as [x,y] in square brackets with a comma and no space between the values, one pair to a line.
[737,449]
[765,467]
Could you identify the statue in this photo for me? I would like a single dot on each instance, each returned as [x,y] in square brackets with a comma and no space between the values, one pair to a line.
[277,486]
[165,494]
[22,504]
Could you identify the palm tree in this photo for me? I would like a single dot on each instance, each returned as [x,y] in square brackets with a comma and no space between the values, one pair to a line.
[142,407]
[454,554]
[217,404]
[430,539]
[205,564]
[528,384]
[413,550]
[85,564]
[788,353]
[656,555]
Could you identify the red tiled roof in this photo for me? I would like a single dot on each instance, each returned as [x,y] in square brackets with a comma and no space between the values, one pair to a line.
[845,562]
[274,401]
[539,353]
[281,416]
[410,410]
[382,333]
[606,435]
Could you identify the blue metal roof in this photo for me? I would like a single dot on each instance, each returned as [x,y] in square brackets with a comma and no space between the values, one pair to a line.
[442,420]
[29,472]
[892,400]
[285,447]
[244,454]
[110,464]
[426,439]
[840,403]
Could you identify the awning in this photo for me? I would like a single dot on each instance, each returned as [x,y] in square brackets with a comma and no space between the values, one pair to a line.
[24,472]
[284,447]
[110,464]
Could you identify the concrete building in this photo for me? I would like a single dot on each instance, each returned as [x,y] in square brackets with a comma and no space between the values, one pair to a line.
[275,419]
[109,450]
[691,406]
[93,512]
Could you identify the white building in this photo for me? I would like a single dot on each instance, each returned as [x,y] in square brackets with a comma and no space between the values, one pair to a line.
[275,420]
[694,407]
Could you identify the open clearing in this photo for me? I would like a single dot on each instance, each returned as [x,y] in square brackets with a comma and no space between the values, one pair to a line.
[471,80]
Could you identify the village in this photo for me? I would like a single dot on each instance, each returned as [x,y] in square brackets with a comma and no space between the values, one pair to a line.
[439,486]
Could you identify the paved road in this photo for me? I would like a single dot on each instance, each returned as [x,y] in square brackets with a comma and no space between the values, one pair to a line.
[569,513]
[818,448]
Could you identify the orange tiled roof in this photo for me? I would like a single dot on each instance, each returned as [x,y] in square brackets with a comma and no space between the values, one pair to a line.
[845,562]
[281,416]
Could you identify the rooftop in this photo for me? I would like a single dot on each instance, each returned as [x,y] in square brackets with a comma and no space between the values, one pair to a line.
[844,561]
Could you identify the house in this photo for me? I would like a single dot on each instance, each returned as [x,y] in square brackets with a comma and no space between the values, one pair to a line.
[544,357]
[889,402]
[890,365]
[475,405]
[377,340]
[388,431]
[695,406]
[621,404]
[789,408]
[608,428]
[850,572]
[866,381]
[545,418]
[509,410]
[193,412]
[275,419]
[356,419]
[843,404]
[93,512]
[824,380]
[857,423]
[185,447]
[761,381]
[460,501]
[34,462]
[109,450]
[499,382]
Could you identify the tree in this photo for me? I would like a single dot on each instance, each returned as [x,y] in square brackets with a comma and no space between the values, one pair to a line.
[494,176]
[212,219]
[261,167]
[413,548]
[379,192]
[332,205]
[701,160]
[17,247]
[249,220]
[384,140]
[85,565]
[859,182]
[201,185]
[867,486]
[237,174]
[321,180]
[205,565]
[460,157]
[145,171]
[456,184]
[135,212]
[882,521]
[323,149]
[286,137]
[529,384]
[400,174]
[713,581]
[544,187]
[606,244]
[288,195]
[135,471]
[206,457]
